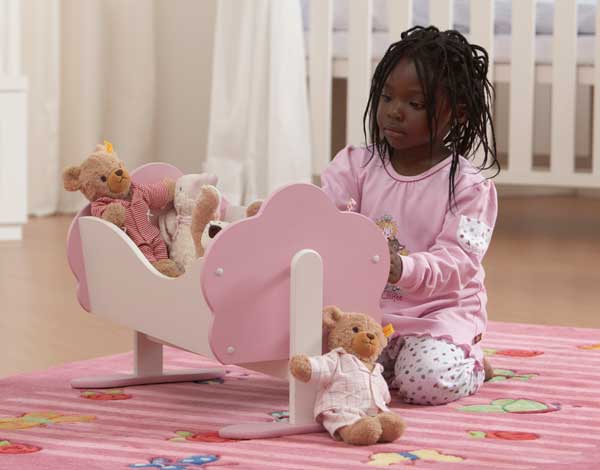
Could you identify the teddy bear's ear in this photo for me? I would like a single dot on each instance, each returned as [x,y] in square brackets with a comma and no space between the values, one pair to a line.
[331,315]
[71,178]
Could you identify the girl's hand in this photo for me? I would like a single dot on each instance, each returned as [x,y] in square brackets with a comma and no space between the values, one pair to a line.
[395,264]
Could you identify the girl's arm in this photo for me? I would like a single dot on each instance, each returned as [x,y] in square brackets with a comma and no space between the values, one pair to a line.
[340,180]
[455,257]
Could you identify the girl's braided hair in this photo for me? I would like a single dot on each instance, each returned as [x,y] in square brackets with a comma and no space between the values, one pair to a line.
[445,61]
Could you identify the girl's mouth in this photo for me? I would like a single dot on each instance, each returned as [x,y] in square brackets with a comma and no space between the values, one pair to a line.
[394,133]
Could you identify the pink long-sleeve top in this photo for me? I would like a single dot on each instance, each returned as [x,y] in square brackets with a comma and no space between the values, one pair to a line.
[441,292]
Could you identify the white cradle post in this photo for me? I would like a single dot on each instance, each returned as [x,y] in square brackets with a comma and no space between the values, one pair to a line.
[306,319]
[148,356]
[306,326]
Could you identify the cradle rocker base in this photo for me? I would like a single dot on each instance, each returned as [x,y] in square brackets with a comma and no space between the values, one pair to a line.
[148,369]
[267,430]
[126,380]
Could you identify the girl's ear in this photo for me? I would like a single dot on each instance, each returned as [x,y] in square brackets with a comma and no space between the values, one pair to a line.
[331,315]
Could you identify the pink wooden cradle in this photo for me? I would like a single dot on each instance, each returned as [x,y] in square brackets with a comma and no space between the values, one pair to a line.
[253,300]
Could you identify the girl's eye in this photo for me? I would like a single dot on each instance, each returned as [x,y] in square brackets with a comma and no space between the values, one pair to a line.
[386,98]
[103,178]
[356,329]
[417,105]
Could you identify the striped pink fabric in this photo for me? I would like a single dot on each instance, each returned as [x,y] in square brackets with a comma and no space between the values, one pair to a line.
[541,411]
[144,198]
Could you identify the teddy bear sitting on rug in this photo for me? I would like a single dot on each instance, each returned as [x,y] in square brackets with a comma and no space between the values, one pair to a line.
[353,395]
[105,182]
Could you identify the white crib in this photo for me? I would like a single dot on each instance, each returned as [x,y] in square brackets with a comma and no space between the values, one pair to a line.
[517,66]
[13,124]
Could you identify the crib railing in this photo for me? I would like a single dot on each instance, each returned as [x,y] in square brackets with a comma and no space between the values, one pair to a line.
[563,74]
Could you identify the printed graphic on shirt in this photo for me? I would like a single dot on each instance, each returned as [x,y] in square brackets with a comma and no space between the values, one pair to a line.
[388,226]
[473,235]
[390,229]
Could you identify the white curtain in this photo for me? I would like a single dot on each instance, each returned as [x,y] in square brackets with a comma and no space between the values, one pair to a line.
[259,126]
[91,72]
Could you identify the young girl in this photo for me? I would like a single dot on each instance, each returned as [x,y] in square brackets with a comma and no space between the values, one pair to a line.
[429,107]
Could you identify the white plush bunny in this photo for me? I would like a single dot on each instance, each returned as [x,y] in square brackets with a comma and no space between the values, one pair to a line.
[175,225]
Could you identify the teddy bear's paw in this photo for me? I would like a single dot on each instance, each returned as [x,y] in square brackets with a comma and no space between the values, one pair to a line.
[300,367]
[392,427]
[168,267]
[115,213]
[365,432]
[253,208]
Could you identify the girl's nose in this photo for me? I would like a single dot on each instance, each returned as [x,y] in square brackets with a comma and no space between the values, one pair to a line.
[396,113]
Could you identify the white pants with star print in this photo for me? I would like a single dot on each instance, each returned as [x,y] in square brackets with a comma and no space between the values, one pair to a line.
[428,371]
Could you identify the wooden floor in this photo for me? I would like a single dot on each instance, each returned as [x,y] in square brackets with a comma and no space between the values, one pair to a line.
[543,267]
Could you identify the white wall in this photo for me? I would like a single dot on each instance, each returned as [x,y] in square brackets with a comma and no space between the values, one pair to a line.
[184,32]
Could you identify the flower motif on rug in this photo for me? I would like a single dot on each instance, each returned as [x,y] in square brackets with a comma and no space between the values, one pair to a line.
[590,347]
[510,405]
[12,448]
[212,436]
[281,416]
[504,435]
[164,463]
[506,374]
[41,418]
[385,459]
[106,395]
[512,352]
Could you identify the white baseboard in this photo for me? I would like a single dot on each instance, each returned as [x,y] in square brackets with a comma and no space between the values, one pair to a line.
[11,232]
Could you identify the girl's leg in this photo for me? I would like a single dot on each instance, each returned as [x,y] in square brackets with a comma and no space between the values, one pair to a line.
[435,372]
[388,360]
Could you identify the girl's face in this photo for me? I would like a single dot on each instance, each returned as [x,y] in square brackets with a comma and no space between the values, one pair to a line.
[401,113]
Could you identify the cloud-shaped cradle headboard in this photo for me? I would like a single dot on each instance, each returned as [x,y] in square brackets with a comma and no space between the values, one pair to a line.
[250,298]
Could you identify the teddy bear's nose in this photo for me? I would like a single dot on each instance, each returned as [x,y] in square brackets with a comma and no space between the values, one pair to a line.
[370,336]
[119,172]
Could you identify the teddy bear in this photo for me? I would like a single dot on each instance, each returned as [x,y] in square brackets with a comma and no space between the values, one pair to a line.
[175,225]
[352,398]
[104,180]
[206,217]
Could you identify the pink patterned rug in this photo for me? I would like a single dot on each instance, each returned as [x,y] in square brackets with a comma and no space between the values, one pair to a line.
[541,411]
